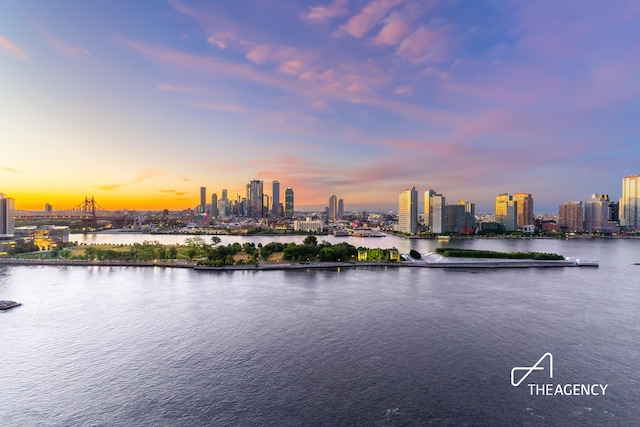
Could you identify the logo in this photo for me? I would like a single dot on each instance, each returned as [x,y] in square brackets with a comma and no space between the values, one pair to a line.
[549,389]
[530,369]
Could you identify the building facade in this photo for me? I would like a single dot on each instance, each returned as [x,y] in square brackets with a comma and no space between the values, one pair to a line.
[340,208]
[437,202]
[525,209]
[428,219]
[275,199]
[506,212]
[7,216]
[408,211]
[255,199]
[630,203]
[203,200]
[570,217]
[333,208]
[596,213]
[288,203]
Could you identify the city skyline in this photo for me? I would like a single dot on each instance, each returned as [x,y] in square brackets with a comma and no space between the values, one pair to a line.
[142,105]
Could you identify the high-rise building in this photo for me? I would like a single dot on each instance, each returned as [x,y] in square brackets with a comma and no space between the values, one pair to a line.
[214,205]
[203,199]
[7,216]
[340,208]
[469,224]
[48,208]
[525,209]
[288,202]
[506,212]
[596,213]
[254,199]
[630,203]
[428,216]
[454,218]
[275,199]
[570,217]
[333,208]
[437,202]
[408,211]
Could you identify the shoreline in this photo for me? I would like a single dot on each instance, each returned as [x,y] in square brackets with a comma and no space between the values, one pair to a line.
[440,262]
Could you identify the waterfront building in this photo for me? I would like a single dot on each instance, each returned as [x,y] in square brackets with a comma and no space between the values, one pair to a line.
[408,211]
[630,203]
[275,199]
[506,212]
[570,217]
[454,218]
[254,199]
[332,214]
[203,200]
[437,202]
[469,224]
[308,225]
[7,216]
[288,203]
[596,213]
[214,205]
[524,209]
[428,218]
[340,208]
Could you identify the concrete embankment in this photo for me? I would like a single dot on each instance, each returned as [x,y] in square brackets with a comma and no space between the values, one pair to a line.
[428,262]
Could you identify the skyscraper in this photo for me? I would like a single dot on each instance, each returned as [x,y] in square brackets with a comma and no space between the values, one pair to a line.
[288,202]
[437,203]
[275,199]
[203,199]
[630,203]
[570,217]
[408,211]
[525,209]
[506,212]
[7,216]
[428,217]
[214,205]
[333,208]
[596,212]
[340,208]
[254,199]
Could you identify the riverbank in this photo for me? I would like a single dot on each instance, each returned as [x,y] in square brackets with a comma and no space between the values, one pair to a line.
[429,261]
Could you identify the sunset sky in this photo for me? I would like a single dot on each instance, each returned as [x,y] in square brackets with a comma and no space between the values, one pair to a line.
[140,103]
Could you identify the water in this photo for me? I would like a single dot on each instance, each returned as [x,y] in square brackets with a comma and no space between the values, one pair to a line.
[372,347]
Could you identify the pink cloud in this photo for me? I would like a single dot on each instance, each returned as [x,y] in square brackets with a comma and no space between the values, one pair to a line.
[221,39]
[168,87]
[61,47]
[12,49]
[396,28]
[259,54]
[225,108]
[423,45]
[405,90]
[370,16]
[291,68]
[319,14]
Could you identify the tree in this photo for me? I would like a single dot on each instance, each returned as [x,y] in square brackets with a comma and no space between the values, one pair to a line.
[310,240]
[215,240]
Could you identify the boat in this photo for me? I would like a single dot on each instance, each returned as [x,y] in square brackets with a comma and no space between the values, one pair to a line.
[6,305]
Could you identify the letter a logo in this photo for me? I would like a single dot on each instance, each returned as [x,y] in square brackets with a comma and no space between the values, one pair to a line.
[530,369]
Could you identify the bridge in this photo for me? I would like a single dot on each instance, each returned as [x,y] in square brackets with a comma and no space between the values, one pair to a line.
[89,211]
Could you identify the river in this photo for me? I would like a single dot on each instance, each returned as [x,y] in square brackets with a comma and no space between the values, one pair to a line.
[122,346]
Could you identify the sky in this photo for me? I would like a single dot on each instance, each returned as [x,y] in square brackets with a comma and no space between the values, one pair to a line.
[139,104]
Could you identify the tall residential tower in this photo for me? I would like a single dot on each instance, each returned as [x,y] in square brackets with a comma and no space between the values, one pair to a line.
[408,211]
